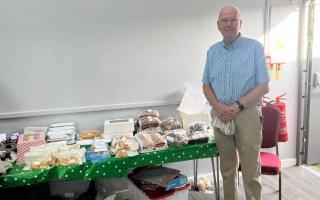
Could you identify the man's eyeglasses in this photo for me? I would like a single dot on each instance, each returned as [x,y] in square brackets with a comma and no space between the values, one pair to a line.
[225,21]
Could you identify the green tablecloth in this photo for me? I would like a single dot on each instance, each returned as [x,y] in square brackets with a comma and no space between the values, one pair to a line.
[112,168]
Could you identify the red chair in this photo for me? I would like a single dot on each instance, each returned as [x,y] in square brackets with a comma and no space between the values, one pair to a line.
[270,162]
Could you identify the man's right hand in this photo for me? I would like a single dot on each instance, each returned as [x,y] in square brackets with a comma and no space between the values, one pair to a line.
[224,112]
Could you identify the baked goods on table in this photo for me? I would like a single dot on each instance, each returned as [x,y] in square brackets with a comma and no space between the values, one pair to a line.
[121,154]
[124,146]
[149,112]
[4,166]
[71,157]
[198,126]
[158,140]
[90,134]
[177,137]
[118,127]
[62,132]
[170,124]
[153,130]
[8,145]
[198,133]
[148,122]
[150,141]
[44,156]
[8,148]
[145,141]
[39,160]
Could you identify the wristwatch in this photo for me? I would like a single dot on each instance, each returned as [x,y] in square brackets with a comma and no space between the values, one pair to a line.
[240,105]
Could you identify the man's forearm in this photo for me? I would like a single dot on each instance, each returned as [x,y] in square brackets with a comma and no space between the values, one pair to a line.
[255,94]
[224,112]
[209,94]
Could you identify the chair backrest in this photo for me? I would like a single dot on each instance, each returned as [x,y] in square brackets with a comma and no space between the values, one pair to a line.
[271,125]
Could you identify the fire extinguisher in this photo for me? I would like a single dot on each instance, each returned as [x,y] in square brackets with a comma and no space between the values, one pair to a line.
[283,135]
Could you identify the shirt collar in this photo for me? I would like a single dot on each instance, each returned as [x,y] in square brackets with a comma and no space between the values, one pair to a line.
[234,44]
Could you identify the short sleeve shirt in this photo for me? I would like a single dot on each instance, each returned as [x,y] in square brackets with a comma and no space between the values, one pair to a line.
[234,70]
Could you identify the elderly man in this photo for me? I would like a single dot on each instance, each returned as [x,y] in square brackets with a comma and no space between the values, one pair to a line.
[235,79]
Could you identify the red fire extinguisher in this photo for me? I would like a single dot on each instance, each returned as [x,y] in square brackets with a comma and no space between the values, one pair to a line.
[283,135]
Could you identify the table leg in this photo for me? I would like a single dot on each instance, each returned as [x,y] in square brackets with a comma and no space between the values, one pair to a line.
[195,174]
[218,176]
[214,178]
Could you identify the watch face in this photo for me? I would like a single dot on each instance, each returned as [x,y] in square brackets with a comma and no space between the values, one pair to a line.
[241,107]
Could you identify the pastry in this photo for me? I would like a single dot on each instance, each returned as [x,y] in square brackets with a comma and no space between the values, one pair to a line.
[90,134]
[121,154]
[152,113]
[158,140]
[170,124]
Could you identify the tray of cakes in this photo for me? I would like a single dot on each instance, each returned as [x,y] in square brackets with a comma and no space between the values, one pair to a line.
[150,141]
[124,146]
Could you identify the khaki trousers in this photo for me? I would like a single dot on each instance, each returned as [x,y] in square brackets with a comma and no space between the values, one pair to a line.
[245,144]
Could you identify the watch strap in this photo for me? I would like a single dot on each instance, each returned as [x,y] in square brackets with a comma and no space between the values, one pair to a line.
[240,105]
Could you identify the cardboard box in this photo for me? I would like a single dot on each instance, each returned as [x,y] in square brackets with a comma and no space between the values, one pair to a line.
[25,141]
[194,108]
[188,119]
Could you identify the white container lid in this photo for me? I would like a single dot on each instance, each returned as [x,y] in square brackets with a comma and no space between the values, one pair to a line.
[119,125]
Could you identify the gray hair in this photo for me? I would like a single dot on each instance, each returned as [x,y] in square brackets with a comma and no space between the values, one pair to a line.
[236,9]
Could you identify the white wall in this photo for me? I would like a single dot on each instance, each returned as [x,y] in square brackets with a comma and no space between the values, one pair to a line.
[193,21]
[284,48]
[70,56]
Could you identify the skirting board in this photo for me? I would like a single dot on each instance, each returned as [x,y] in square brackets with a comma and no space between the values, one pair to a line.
[313,171]
[288,162]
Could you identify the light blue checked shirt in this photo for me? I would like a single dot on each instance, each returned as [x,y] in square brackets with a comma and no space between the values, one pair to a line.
[232,71]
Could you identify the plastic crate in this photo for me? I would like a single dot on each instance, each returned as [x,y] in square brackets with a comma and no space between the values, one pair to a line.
[70,189]
[137,193]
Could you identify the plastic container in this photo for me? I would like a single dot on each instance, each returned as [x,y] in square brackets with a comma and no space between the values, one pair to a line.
[70,190]
[96,157]
[137,193]
[118,125]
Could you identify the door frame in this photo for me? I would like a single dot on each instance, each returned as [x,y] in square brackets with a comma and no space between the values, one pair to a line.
[307,8]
